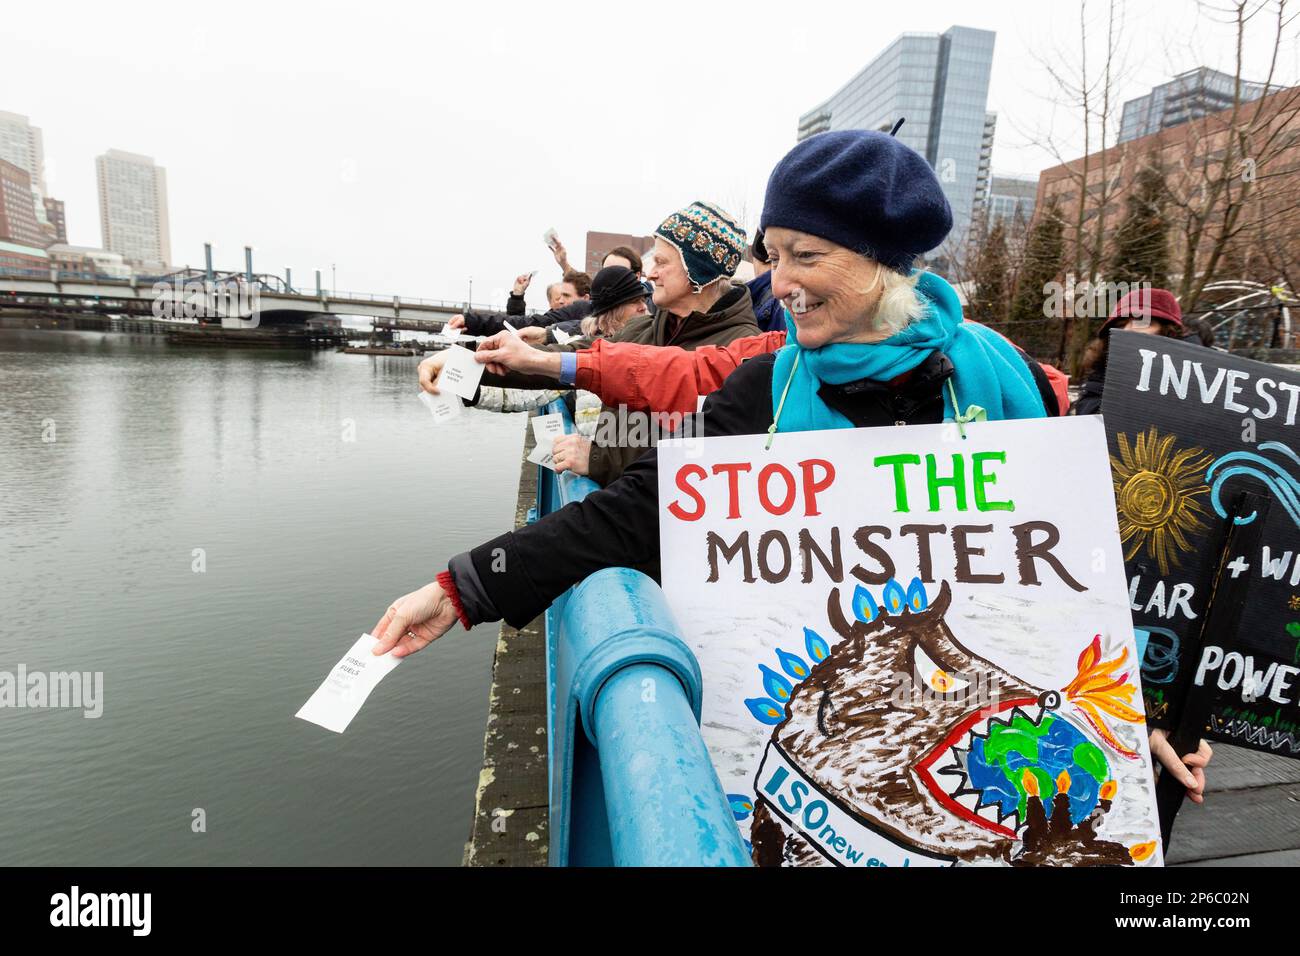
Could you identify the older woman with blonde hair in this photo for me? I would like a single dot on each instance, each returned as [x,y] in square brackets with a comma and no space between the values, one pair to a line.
[871,342]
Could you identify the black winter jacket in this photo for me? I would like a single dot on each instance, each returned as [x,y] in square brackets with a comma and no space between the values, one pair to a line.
[618,526]
[490,323]
[1089,400]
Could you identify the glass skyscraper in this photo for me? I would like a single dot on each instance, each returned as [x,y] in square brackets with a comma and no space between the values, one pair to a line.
[1188,96]
[939,84]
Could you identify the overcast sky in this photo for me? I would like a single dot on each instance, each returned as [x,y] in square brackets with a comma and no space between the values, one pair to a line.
[418,145]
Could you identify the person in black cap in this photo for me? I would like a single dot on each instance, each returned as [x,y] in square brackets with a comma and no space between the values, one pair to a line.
[617,296]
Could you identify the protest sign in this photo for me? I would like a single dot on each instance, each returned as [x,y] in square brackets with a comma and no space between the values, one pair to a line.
[1190,428]
[916,648]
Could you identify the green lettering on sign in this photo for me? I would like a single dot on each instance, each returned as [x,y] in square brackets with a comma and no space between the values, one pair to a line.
[980,479]
[900,486]
[957,482]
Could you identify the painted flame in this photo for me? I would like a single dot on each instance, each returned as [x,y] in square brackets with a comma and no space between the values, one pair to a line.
[1142,851]
[1102,688]
[1030,783]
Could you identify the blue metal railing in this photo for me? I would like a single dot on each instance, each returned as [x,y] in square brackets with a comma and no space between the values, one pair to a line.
[631,783]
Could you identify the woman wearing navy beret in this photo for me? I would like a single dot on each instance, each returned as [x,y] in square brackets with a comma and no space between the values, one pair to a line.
[871,342]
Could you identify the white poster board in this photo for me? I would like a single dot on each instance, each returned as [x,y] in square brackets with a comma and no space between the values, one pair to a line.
[917,648]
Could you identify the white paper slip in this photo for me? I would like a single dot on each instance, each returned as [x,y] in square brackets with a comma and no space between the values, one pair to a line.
[340,696]
[563,337]
[541,455]
[547,428]
[456,336]
[442,407]
[461,374]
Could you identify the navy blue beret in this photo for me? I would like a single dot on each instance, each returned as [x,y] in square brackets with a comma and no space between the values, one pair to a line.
[860,189]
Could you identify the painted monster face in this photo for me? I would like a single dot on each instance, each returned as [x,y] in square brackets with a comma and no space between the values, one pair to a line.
[929,745]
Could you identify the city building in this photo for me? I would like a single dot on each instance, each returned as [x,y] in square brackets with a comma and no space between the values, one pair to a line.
[983,174]
[58,221]
[1265,239]
[22,144]
[87,262]
[18,222]
[1188,96]
[24,259]
[133,207]
[600,243]
[1010,198]
[937,83]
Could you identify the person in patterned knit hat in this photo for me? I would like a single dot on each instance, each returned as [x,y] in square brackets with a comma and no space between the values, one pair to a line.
[706,240]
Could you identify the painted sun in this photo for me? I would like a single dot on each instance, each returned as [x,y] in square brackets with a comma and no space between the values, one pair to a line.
[1156,492]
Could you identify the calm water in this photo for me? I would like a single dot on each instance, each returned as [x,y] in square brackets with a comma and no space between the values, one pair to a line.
[306,537]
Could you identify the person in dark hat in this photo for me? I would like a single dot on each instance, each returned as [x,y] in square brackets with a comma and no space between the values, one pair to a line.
[1153,311]
[617,297]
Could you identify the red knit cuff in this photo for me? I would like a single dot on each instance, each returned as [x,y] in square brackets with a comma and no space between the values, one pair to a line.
[588,372]
[448,585]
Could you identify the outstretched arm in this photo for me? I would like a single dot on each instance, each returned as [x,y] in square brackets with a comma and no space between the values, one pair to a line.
[515,576]
[642,377]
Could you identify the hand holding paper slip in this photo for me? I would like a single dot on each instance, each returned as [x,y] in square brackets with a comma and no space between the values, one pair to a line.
[460,373]
[546,428]
[563,337]
[340,696]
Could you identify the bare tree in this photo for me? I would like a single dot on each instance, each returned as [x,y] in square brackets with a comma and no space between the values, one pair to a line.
[1232,179]
[1088,93]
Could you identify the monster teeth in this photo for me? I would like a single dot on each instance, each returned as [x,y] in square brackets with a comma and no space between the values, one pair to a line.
[990,813]
[968,800]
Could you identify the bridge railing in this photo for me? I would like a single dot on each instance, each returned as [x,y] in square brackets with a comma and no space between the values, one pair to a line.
[43,274]
[631,782]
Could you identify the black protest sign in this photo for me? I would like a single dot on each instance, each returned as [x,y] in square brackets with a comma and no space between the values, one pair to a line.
[1191,428]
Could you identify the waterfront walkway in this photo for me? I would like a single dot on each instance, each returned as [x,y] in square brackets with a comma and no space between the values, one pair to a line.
[511,804]
[1251,814]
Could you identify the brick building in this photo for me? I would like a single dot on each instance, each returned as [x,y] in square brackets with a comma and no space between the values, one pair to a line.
[1264,184]
[18,221]
[600,243]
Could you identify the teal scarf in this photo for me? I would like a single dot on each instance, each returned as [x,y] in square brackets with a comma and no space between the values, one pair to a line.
[990,380]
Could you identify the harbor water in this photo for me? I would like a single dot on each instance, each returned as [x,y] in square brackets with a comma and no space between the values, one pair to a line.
[211,529]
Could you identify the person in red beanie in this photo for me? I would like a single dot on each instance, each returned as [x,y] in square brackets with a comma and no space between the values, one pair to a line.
[1153,311]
